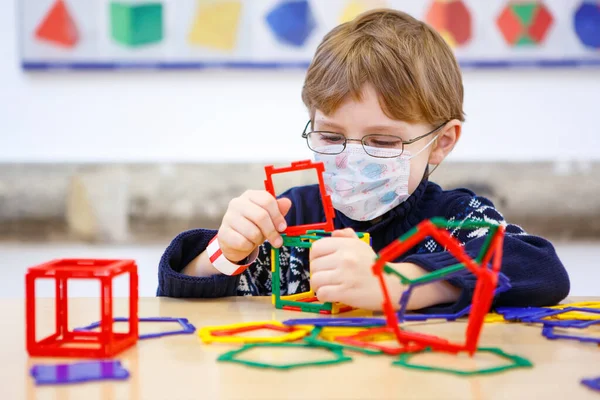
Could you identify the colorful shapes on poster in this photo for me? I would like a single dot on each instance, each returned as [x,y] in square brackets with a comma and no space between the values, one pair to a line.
[216,25]
[136,24]
[292,22]
[58,26]
[356,7]
[587,24]
[524,23]
[452,19]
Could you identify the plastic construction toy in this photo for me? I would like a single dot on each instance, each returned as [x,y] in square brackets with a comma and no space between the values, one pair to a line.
[61,374]
[318,338]
[186,327]
[487,278]
[325,198]
[64,342]
[515,362]
[593,383]
[548,332]
[575,314]
[226,333]
[542,317]
[303,236]
[306,301]
[337,322]
[367,340]
[234,356]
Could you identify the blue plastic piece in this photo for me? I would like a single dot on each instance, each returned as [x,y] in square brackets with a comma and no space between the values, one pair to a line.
[517,314]
[587,24]
[592,383]
[88,371]
[338,322]
[187,328]
[503,286]
[548,312]
[548,332]
[292,22]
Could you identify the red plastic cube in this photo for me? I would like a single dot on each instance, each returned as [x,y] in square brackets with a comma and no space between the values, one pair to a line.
[67,343]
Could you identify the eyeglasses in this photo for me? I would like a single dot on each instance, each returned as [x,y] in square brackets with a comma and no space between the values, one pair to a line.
[377,145]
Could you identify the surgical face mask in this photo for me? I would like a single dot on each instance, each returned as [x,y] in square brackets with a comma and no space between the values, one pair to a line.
[364,187]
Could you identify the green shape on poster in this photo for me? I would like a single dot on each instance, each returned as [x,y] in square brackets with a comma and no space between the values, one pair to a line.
[525,12]
[525,40]
[136,24]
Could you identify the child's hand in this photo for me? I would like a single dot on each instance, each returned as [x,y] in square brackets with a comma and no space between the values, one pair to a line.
[251,219]
[341,271]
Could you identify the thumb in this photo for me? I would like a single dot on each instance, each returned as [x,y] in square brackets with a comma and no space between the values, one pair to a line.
[284,205]
[344,233]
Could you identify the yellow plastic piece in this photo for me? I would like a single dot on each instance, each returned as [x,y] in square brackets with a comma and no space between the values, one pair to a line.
[299,296]
[331,332]
[582,316]
[216,24]
[493,318]
[206,336]
[356,7]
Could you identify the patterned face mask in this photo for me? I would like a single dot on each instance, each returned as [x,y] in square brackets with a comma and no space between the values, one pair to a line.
[363,187]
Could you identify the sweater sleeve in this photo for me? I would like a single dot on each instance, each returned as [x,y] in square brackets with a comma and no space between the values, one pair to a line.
[537,276]
[183,249]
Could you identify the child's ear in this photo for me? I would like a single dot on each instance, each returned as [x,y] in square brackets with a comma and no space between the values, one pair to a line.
[445,142]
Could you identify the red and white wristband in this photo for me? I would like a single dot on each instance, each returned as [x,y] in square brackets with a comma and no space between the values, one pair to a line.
[222,264]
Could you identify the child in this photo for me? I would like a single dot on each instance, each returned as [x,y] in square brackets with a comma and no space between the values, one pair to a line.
[385,96]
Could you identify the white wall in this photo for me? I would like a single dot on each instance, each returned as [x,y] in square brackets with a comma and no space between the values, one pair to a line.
[202,116]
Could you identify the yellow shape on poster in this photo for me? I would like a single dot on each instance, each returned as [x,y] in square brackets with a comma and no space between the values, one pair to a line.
[356,7]
[216,24]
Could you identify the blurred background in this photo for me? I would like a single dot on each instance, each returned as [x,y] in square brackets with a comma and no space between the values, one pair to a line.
[123,123]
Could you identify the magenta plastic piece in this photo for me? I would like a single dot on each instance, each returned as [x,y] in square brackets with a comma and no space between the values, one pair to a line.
[61,374]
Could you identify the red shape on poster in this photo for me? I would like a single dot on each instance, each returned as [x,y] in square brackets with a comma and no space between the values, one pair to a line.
[58,26]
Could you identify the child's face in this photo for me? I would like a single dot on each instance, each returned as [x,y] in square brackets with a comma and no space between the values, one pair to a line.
[357,119]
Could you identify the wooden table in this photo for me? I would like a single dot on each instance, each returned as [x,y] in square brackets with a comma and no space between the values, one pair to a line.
[181,367]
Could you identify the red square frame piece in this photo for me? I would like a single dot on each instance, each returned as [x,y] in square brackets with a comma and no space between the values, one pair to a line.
[67,343]
[326,226]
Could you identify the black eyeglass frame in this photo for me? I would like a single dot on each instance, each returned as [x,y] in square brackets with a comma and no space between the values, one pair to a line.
[305,135]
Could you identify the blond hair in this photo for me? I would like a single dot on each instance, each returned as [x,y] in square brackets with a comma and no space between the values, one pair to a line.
[411,67]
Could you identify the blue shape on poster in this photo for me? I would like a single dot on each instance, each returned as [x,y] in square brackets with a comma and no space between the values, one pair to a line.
[292,22]
[587,24]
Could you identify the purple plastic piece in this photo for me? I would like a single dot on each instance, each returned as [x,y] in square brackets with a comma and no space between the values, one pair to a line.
[539,318]
[338,322]
[518,313]
[503,286]
[592,383]
[187,328]
[548,332]
[88,371]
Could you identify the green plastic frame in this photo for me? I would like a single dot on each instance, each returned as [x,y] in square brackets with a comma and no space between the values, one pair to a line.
[516,362]
[231,356]
[314,339]
[303,241]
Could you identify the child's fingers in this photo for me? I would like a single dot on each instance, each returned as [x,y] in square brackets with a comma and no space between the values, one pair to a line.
[325,278]
[261,218]
[269,203]
[326,246]
[347,233]
[325,263]
[246,228]
[331,294]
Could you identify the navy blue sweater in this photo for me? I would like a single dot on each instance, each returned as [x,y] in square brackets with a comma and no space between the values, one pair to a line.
[537,276]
